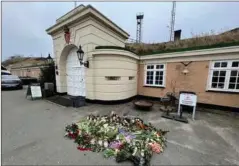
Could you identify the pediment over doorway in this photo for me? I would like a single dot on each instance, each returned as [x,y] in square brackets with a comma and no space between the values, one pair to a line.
[81,13]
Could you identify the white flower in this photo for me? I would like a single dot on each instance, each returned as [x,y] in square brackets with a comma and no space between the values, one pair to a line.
[135,151]
[100,142]
[142,153]
[116,151]
[105,125]
[106,144]
[92,141]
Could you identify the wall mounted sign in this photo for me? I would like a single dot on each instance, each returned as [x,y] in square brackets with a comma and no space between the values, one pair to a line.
[67,34]
[188,99]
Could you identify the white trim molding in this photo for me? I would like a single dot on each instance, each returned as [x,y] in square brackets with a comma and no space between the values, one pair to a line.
[155,68]
[195,55]
[223,76]
[114,52]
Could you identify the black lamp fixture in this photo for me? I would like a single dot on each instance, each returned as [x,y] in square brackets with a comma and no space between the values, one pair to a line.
[49,59]
[80,54]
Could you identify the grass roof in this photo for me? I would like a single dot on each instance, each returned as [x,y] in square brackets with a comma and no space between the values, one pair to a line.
[204,41]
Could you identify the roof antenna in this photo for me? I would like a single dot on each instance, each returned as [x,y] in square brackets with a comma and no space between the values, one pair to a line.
[172,21]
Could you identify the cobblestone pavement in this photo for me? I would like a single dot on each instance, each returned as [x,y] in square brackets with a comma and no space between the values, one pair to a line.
[32,134]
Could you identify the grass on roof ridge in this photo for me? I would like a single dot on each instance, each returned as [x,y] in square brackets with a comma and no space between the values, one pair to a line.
[217,45]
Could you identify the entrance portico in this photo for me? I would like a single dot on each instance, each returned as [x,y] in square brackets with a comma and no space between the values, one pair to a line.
[89,28]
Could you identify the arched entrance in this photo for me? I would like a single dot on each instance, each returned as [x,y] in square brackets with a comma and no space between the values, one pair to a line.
[73,73]
[75,77]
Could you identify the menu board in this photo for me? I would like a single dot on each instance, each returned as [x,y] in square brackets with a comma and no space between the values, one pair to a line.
[36,92]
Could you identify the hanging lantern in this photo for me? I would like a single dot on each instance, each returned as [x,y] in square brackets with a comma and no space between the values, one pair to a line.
[80,55]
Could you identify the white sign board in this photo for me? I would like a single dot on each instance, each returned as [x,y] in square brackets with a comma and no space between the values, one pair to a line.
[36,91]
[188,99]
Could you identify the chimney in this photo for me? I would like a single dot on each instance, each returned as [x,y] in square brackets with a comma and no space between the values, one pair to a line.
[177,35]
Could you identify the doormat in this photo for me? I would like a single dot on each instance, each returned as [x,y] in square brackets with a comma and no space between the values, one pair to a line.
[61,100]
[122,138]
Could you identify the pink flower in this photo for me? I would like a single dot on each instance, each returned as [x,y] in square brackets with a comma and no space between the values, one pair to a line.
[115,145]
[155,147]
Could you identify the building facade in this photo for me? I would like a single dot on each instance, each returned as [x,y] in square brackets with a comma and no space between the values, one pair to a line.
[117,74]
[27,71]
[212,75]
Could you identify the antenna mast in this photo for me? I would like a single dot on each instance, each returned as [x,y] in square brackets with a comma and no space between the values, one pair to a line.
[139,18]
[75,3]
[172,22]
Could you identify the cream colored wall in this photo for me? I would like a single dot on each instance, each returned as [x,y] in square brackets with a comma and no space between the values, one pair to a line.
[64,17]
[29,71]
[99,88]
[88,33]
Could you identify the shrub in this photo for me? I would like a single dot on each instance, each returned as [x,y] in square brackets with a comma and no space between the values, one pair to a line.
[48,75]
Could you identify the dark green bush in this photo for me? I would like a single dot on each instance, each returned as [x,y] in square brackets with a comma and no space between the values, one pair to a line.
[48,75]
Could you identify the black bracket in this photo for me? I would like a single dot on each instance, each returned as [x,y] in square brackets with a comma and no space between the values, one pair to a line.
[186,64]
[86,64]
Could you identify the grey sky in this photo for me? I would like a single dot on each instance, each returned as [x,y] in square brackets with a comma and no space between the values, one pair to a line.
[24,23]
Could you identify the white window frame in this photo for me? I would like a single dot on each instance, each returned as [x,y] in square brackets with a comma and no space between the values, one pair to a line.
[154,75]
[228,70]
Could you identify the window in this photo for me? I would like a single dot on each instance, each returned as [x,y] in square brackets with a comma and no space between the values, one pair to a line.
[154,75]
[224,76]
[112,78]
[131,77]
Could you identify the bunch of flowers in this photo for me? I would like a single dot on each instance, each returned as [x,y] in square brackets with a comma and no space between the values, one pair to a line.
[124,138]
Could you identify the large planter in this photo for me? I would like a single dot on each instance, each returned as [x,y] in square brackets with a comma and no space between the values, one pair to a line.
[143,105]
[78,101]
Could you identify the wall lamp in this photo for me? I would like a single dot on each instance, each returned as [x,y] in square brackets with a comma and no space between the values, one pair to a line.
[80,55]
[185,70]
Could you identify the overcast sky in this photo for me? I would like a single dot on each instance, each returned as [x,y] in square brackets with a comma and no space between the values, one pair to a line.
[24,23]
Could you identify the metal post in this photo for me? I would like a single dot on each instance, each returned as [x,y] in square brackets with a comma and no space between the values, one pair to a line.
[179,107]
[194,110]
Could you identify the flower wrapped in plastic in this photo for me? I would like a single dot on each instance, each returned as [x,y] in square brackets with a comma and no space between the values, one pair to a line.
[155,147]
[116,145]
[126,139]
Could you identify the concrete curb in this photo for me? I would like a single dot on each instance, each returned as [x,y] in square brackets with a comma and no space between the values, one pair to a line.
[54,103]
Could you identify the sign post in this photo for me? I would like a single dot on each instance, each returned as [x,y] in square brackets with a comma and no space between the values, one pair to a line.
[188,99]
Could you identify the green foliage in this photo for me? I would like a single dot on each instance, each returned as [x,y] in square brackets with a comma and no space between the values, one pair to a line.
[109,153]
[115,47]
[48,75]
[197,42]
[218,45]
[115,138]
